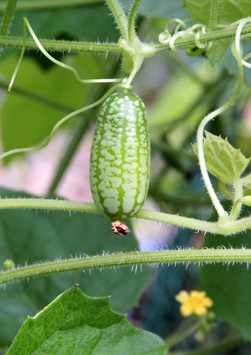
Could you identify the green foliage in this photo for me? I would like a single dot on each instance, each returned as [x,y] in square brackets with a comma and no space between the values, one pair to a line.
[30,111]
[177,97]
[217,50]
[47,236]
[246,200]
[45,26]
[228,11]
[229,285]
[184,99]
[26,121]
[76,324]
[246,181]
[159,8]
[230,63]
[223,161]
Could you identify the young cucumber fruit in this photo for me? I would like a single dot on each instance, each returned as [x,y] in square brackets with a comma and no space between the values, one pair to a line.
[120,157]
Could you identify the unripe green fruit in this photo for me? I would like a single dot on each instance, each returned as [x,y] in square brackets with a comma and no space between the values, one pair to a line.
[120,157]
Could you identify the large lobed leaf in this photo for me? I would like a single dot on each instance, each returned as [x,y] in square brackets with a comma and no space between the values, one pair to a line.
[28,236]
[76,324]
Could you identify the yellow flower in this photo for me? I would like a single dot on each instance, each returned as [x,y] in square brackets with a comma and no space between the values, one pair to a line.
[194,302]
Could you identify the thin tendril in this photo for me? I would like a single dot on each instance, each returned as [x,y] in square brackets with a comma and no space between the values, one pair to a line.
[52,59]
[58,125]
[238,41]
[237,52]
[195,30]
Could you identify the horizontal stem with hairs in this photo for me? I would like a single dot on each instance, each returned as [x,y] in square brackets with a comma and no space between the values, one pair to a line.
[224,228]
[128,259]
[113,48]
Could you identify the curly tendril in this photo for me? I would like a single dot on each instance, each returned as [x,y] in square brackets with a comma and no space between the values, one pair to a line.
[165,37]
[238,54]
[47,140]
[196,31]
[237,42]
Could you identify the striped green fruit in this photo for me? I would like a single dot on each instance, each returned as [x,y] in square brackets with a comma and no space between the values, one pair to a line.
[120,157]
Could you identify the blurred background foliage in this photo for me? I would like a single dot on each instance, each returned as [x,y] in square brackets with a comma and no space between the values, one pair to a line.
[178,91]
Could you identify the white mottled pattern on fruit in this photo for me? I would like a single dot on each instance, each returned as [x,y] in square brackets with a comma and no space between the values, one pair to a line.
[120,157]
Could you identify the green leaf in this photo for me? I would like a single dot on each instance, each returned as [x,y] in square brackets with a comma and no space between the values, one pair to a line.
[222,160]
[246,200]
[25,121]
[28,236]
[229,11]
[217,50]
[181,93]
[180,89]
[77,324]
[246,181]
[159,8]
[229,285]
[229,62]
[59,22]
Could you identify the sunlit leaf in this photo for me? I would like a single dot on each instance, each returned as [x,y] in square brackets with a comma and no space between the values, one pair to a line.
[76,324]
[29,236]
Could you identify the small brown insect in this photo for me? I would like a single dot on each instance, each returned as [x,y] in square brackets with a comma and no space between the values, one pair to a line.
[120,228]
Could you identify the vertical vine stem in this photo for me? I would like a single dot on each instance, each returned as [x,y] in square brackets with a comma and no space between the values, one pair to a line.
[119,16]
[238,55]
[7,17]
[237,205]
[137,61]
[131,20]
[213,14]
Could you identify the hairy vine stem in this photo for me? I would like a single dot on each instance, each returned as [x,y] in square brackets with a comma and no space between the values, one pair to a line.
[236,206]
[213,15]
[220,227]
[119,16]
[131,20]
[113,48]
[129,259]
[8,14]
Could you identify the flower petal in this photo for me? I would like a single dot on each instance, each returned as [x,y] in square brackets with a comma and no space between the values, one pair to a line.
[185,311]
[207,302]
[200,311]
[197,294]
[182,296]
